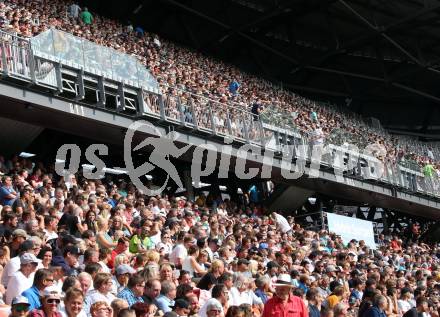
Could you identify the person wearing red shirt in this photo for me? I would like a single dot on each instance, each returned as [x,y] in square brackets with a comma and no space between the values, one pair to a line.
[121,247]
[395,245]
[283,303]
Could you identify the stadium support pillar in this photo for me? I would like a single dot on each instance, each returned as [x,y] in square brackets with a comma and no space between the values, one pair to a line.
[371,213]
[232,191]
[385,221]
[187,182]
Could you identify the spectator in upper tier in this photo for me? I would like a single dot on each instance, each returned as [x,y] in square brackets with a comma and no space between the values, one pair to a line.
[313,116]
[139,31]
[428,170]
[256,109]
[234,86]
[69,260]
[86,16]
[74,10]
[404,301]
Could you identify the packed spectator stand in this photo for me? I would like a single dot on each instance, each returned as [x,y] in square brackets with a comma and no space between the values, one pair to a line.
[75,247]
[84,247]
[190,75]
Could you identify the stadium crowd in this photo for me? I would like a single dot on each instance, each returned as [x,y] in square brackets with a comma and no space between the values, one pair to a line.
[183,72]
[77,247]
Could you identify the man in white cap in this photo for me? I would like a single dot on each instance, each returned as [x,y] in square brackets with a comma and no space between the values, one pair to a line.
[23,278]
[20,307]
[284,302]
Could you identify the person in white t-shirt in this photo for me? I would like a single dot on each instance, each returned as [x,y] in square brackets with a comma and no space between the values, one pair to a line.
[14,264]
[281,222]
[220,296]
[180,251]
[102,284]
[50,228]
[404,302]
[23,278]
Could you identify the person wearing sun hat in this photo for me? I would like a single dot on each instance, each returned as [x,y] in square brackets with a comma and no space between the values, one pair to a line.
[20,307]
[284,301]
[23,278]
[50,301]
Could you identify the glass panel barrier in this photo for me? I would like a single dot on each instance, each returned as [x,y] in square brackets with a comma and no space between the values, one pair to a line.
[253,125]
[147,80]
[220,118]
[186,114]
[201,108]
[43,44]
[68,49]
[79,53]
[237,125]
[152,103]
[97,59]
[171,107]
[45,72]
[271,140]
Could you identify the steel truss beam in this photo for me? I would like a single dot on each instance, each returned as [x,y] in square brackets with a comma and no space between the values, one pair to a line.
[272,14]
[374,78]
[228,27]
[382,32]
[321,69]
[373,33]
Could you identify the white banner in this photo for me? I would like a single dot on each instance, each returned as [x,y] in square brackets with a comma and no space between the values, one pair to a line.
[351,228]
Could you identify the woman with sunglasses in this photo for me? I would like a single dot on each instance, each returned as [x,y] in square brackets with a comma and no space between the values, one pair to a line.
[19,307]
[50,301]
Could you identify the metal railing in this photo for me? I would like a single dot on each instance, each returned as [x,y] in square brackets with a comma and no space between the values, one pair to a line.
[272,131]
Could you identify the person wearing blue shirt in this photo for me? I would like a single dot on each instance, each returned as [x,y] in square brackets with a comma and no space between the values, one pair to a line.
[42,279]
[134,290]
[356,293]
[302,284]
[166,298]
[7,192]
[234,86]
[139,31]
[378,308]
[313,116]
[254,194]
[262,284]
[314,299]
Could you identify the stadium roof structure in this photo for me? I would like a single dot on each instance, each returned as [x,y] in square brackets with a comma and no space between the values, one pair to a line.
[378,58]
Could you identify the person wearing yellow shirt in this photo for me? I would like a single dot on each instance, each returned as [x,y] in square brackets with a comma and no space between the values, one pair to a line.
[335,297]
